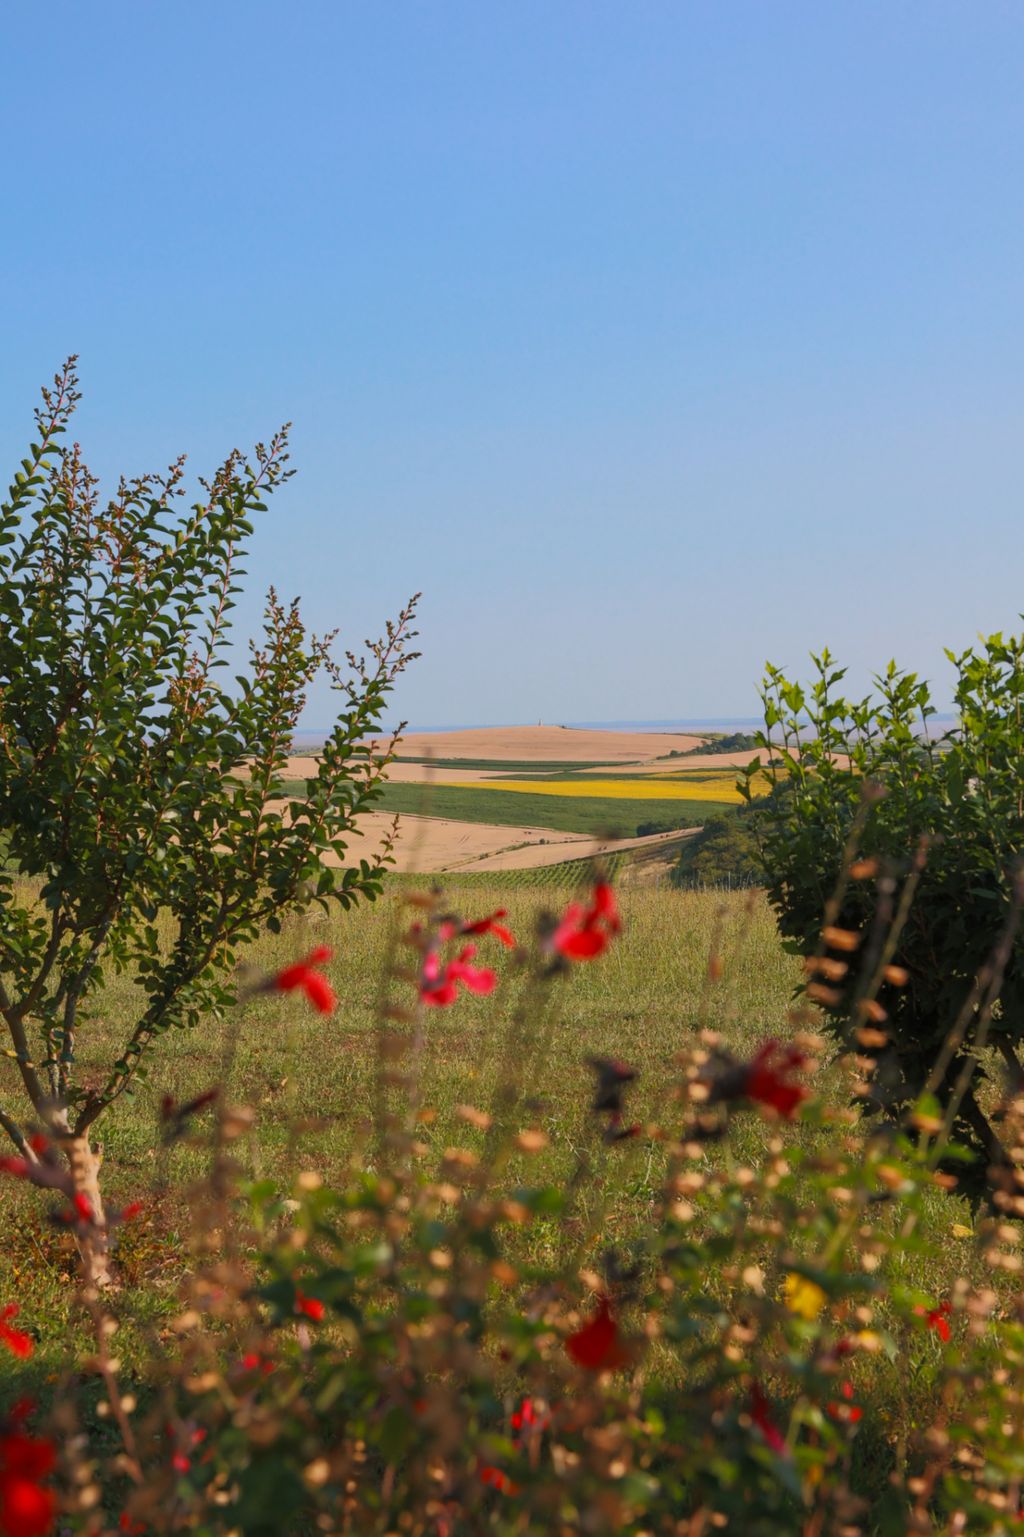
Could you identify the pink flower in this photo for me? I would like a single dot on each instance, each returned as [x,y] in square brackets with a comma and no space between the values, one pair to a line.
[584,933]
[17,1343]
[439,984]
[312,983]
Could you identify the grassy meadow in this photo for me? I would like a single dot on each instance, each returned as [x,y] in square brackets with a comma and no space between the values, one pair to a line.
[310,1081]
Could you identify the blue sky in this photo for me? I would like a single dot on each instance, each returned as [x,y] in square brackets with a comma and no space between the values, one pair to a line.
[649,340]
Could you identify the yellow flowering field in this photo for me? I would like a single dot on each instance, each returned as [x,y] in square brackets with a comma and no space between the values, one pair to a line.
[721,789]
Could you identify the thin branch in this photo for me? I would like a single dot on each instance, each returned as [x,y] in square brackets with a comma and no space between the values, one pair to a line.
[16,1135]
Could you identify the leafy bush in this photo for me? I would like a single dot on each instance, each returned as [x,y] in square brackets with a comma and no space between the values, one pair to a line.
[874,818]
[412,1353]
[736,741]
[132,781]
[723,853]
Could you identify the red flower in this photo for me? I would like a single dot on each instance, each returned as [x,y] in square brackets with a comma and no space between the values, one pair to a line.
[439,986]
[83,1207]
[312,1307]
[529,1417]
[938,1319]
[16,1166]
[598,1347]
[489,926]
[26,1508]
[302,976]
[765,1078]
[761,1414]
[17,1343]
[253,1361]
[496,1479]
[584,933]
[848,1412]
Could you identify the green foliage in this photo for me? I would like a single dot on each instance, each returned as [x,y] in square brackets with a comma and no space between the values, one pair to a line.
[939,819]
[132,781]
[723,853]
[736,741]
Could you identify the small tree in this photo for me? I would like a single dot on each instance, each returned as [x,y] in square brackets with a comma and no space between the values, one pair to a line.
[133,784]
[723,853]
[949,818]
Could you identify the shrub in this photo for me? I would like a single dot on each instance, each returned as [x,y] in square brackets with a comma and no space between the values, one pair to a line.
[723,853]
[735,741]
[132,781]
[945,829]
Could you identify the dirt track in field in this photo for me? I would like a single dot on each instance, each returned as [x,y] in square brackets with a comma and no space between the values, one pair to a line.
[438,845]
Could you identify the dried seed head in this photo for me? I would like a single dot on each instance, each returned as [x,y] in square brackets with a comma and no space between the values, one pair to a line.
[846,940]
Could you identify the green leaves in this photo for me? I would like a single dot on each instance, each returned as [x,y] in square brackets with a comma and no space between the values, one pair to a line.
[954,800]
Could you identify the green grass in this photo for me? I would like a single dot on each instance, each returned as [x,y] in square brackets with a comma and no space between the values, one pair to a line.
[599,816]
[310,1081]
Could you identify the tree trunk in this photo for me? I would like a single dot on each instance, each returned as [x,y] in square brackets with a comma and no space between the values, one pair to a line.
[93,1242]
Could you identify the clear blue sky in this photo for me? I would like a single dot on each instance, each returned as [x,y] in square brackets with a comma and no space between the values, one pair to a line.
[650,340]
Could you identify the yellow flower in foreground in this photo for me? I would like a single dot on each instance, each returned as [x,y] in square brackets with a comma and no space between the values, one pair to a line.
[804,1298]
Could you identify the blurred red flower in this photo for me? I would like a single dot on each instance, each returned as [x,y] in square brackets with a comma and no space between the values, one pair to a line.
[312,1307]
[17,1343]
[489,925]
[496,1479]
[26,1508]
[313,984]
[584,933]
[761,1414]
[849,1412]
[529,1416]
[440,984]
[766,1078]
[937,1318]
[598,1347]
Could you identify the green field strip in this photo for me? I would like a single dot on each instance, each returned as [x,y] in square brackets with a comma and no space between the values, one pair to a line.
[508,766]
[597,816]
